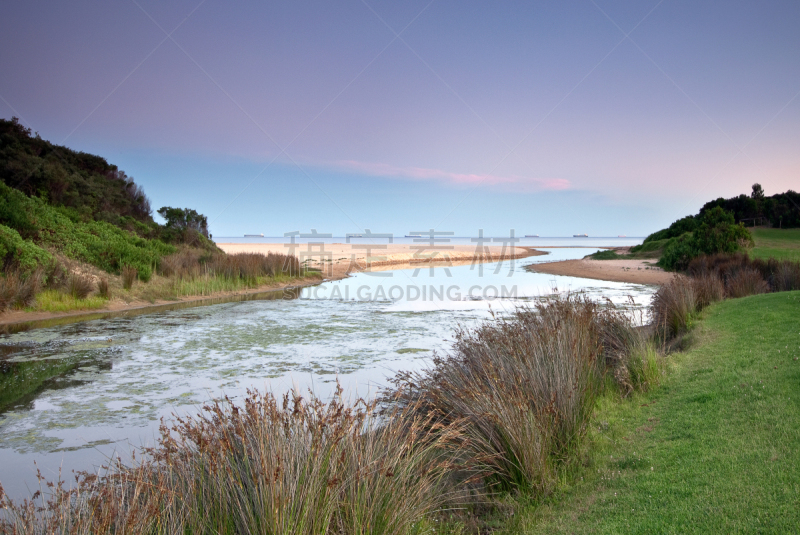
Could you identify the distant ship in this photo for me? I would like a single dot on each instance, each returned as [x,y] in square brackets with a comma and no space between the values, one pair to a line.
[413,235]
[531,235]
[622,236]
[253,235]
[580,235]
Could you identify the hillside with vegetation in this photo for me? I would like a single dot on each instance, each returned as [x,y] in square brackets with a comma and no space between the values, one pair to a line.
[721,226]
[73,226]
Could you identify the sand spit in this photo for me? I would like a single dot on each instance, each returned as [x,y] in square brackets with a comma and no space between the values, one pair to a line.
[632,271]
[336,260]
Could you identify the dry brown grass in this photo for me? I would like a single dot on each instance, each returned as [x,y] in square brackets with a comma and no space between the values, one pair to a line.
[524,386]
[18,290]
[103,288]
[673,306]
[293,466]
[744,282]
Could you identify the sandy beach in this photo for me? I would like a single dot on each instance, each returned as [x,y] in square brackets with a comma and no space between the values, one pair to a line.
[623,270]
[336,260]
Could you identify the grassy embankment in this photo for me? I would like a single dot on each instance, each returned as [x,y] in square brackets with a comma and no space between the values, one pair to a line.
[715,449]
[781,244]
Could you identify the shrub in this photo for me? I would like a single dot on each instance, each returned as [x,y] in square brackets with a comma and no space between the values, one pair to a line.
[678,252]
[21,254]
[715,233]
[677,228]
[96,242]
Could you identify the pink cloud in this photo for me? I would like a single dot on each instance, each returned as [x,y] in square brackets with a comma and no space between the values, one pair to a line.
[457,179]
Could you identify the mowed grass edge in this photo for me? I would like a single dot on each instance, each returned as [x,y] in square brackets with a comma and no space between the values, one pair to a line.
[715,449]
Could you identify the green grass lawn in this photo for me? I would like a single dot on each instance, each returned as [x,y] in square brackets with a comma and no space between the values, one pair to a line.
[715,449]
[777,243]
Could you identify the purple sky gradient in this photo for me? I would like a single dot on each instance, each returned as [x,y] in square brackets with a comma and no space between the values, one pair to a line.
[538,116]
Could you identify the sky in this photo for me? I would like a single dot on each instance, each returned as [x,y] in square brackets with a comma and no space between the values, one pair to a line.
[552,118]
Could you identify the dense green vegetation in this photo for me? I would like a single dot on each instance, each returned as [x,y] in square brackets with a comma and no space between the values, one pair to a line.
[719,228]
[29,228]
[781,210]
[57,200]
[715,232]
[85,186]
[716,449]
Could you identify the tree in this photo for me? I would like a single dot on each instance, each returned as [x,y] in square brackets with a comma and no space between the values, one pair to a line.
[716,232]
[184,219]
[758,192]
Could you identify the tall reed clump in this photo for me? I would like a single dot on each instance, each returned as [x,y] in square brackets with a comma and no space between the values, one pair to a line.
[246,267]
[79,286]
[103,288]
[525,387]
[673,307]
[18,290]
[129,274]
[744,282]
[630,355]
[740,274]
[294,466]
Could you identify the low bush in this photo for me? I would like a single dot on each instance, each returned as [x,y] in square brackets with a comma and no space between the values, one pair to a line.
[95,242]
[607,254]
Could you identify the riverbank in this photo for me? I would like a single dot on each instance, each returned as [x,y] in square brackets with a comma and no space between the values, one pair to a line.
[715,449]
[625,270]
[338,262]
[10,319]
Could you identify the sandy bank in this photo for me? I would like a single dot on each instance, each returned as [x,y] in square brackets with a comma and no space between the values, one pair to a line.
[336,260]
[633,271]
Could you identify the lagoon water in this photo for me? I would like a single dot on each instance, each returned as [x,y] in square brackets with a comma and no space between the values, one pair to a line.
[119,376]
